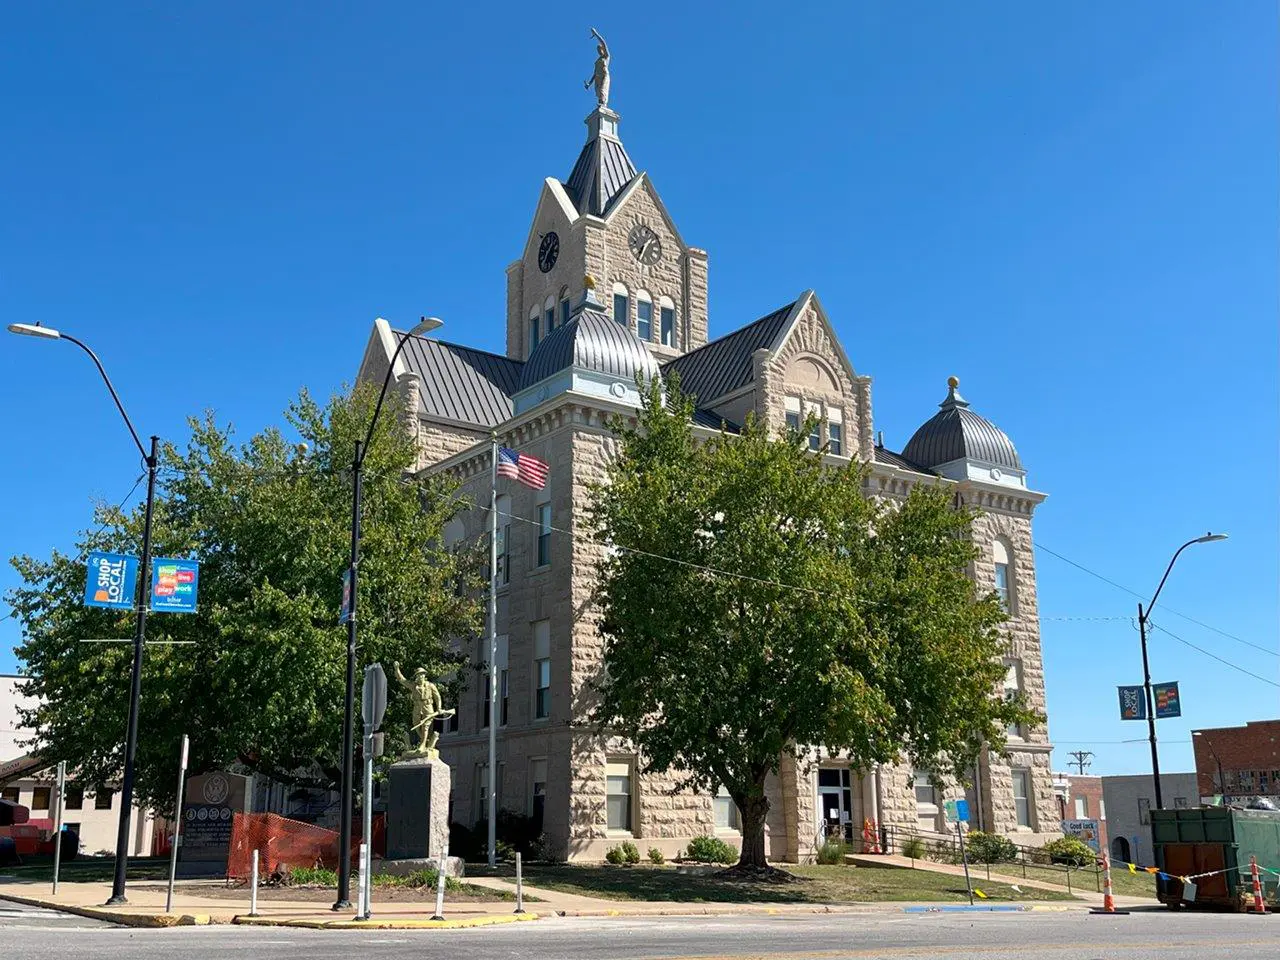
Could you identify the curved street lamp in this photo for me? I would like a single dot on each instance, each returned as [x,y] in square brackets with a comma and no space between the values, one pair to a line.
[426,325]
[1143,615]
[140,634]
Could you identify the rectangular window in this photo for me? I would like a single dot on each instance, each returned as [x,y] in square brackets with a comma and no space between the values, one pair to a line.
[620,308]
[538,792]
[484,705]
[549,320]
[1144,810]
[564,312]
[40,797]
[1002,584]
[726,810]
[1022,796]
[618,797]
[102,798]
[10,794]
[1012,687]
[544,534]
[542,670]
[793,413]
[835,434]
[668,326]
[533,334]
[1102,809]
[74,797]
[1180,803]
[505,703]
[644,320]
[815,436]
[504,540]
[1082,808]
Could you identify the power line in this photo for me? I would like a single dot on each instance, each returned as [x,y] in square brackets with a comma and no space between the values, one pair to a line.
[1134,593]
[1214,656]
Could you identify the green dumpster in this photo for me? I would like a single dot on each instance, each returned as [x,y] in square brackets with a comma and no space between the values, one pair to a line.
[1217,841]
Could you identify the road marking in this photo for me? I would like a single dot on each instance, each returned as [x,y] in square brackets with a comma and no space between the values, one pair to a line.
[936,950]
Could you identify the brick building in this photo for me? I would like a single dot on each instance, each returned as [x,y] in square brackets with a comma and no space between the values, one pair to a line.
[573,350]
[1080,798]
[1247,758]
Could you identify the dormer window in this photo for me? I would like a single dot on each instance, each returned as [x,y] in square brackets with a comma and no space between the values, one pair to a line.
[621,305]
[644,316]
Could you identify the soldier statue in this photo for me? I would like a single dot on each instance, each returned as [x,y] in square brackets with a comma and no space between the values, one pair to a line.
[427,707]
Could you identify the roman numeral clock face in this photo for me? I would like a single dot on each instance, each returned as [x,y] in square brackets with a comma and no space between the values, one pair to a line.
[548,251]
[645,245]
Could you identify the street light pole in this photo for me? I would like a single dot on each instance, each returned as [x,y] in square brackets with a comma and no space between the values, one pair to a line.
[343,901]
[151,459]
[1143,617]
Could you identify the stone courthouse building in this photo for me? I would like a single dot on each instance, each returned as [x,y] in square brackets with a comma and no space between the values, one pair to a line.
[570,363]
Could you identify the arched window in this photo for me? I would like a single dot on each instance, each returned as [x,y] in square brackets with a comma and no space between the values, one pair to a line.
[621,305]
[533,329]
[667,321]
[564,305]
[549,314]
[1005,587]
[644,315]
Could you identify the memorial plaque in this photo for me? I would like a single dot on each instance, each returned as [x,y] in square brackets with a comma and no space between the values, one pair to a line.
[212,800]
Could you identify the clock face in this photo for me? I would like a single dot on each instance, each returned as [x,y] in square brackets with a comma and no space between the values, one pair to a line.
[548,251]
[645,245]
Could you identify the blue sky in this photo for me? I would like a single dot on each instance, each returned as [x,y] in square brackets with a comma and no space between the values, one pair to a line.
[1072,207]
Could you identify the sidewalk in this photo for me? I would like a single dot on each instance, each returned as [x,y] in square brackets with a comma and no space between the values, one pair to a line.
[146,909]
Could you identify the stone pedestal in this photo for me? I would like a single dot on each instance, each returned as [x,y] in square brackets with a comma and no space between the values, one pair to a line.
[418,809]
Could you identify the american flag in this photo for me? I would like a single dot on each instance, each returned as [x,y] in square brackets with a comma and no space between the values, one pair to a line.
[530,471]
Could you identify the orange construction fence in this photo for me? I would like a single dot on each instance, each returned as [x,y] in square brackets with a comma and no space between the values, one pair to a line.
[282,842]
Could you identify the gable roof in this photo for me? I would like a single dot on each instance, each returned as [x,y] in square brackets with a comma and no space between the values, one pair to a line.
[462,384]
[722,366]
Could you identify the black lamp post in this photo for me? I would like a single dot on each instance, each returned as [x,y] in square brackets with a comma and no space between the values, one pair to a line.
[1143,615]
[343,901]
[140,634]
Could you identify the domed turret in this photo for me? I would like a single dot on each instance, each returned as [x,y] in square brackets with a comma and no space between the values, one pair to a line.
[958,443]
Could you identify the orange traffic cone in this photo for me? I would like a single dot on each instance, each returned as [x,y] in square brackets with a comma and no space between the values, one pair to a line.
[1258,905]
[1108,901]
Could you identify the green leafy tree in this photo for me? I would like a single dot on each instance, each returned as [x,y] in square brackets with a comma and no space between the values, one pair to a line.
[757,603]
[262,682]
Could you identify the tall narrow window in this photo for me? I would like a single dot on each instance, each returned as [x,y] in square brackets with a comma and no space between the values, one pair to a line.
[505,703]
[542,670]
[815,433]
[1004,576]
[618,796]
[484,705]
[1023,796]
[537,792]
[793,414]
[564,306]
[726,810]
[544,534]
[644,316]
[533,330]
[667,326]
[1012,687]
[621,305]
[1082,807]
[504,540]
[549,315]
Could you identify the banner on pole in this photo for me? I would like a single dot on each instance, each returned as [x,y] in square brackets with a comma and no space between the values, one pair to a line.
[111,581]
[174,585]
[1168,704]
[1133,703]
[344,612]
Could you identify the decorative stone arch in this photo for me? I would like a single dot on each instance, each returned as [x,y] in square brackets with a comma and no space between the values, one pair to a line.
[808,371]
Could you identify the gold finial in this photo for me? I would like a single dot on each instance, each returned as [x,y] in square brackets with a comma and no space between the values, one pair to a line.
[589,282]
[953,382]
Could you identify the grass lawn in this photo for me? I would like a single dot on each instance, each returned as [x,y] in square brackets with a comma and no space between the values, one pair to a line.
[1123,883]
[88,869]
[817,884]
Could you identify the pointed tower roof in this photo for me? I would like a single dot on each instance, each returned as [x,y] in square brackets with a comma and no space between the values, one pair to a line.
[603,169]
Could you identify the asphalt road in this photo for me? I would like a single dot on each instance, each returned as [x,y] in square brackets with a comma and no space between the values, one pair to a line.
[1030,936]
[21,917]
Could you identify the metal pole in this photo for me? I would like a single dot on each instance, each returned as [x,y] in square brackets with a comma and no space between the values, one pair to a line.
[968,885]
[444,859]
[519,885]
[135,686]
[177,823]
[348,733]
[366,906]
[1151,713]
[57,824]
[493,652]
[253,886]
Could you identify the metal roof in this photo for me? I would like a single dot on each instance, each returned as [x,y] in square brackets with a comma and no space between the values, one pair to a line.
[709,418]
[957,433]
[722,366]
[602,172]
[590,341]
[885,455]
[462,384]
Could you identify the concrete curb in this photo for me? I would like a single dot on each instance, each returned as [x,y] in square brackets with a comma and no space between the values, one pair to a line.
[885,907]
[388,924]
[120,916]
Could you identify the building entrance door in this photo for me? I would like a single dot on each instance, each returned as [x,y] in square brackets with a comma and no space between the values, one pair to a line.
[835,803]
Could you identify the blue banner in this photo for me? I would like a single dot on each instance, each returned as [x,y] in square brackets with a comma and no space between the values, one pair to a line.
[1168,704]
[1133,703]
[111,581]
[174,584]
[344,613]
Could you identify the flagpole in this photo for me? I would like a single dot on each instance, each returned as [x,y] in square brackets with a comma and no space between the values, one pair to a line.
[493,652]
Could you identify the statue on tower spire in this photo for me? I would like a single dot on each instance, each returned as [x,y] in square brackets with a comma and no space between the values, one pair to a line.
[600,77]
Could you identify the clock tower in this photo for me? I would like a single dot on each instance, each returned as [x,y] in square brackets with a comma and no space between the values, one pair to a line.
[606,220]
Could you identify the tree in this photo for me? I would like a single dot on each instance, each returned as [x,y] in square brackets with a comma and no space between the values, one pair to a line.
[263,681]
[756,603]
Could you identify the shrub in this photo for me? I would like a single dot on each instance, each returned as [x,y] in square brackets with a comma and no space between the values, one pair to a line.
[989,848]
[626,852]
[614,855]
[1069,850]
[310,877]
[710,850]
[914,848]
[656,857]
[832,851]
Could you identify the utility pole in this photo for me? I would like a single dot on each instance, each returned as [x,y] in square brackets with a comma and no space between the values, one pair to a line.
[1081,759]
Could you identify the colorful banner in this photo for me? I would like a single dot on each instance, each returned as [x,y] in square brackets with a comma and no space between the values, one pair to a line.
[1133,703]
[174,585]
[1086,830]
[111,581]
[1168,704]
[344,613]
